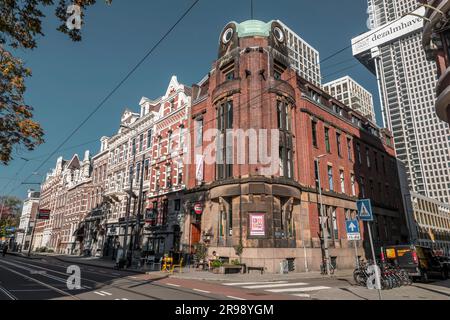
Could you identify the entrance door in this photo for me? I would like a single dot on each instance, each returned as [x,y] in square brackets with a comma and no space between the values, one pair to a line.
[195,234]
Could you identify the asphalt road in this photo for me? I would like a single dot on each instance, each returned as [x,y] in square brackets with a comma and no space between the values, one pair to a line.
[46,279]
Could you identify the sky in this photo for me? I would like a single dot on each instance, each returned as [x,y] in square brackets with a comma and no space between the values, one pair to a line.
[71,78]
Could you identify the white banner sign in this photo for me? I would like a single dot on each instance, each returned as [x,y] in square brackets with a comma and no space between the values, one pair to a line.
[388,32]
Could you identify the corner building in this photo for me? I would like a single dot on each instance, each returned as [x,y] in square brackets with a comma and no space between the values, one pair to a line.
[274,214]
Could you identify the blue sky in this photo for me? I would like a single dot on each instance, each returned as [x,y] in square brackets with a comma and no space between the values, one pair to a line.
[70,79]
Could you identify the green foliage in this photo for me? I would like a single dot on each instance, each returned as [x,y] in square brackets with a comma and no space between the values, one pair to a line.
[239,249]
[216,264]
[200,251]
[20,26]
[235,262]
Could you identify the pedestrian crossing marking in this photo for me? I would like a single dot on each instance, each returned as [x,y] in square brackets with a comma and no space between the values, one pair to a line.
[250,283]
[276,285]
[306,289]
[235,298]
[107,293]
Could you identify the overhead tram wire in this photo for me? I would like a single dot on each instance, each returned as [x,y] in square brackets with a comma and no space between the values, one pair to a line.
[128,75]
[154,47]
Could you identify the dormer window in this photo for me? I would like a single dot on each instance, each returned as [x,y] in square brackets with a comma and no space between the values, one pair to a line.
[228,71]
[278,69]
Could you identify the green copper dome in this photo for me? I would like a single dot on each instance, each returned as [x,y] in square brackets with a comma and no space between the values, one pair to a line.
[252,28]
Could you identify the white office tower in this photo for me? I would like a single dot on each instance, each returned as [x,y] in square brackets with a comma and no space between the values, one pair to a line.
[352,94]
[393,52]
[304,58]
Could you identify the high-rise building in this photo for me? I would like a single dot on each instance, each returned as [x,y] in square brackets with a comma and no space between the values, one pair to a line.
[352,94]
[393,52]
[304,58]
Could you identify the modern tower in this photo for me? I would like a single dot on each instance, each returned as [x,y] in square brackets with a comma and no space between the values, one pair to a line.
[393,51]
[352,94]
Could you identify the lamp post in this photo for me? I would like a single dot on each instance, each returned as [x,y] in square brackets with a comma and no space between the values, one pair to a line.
[324,233]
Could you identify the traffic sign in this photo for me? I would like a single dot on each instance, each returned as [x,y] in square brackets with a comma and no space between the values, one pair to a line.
[352,227]
[364,210]
[198,208]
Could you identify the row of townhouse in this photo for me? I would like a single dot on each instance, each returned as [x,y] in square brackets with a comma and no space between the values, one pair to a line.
[171,177]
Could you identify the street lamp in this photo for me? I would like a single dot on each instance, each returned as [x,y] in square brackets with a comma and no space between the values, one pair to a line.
[324,233]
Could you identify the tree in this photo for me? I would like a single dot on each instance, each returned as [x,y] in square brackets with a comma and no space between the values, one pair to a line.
[9,214]
[20,25]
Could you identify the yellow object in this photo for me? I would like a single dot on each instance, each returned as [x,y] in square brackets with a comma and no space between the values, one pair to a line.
[390,253]
[180,265]
[168,261]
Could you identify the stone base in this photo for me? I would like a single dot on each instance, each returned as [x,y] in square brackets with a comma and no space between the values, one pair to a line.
[270,258]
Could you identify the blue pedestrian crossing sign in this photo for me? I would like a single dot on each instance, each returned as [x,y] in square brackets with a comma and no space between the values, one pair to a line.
[364,210]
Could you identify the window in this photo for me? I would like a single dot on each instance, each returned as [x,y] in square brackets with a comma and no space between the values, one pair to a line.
[133,146]
[177,204]
[138,172]
[285,150]
[362,187]
[358,153]
[349,149]
[158,147]
[141,141]
[342,178]
[330,177]
[169,142]
[230,221]
[327,140]
[334,224]
[314,133]
[168,176]
[375,155]
[368,158]
[146,170]
[181,138]
[316,173]
[199,132]
[338,144]
[224,157]
[149,138]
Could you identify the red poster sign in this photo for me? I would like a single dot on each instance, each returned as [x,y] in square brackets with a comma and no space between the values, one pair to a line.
[43,214]
[257,224]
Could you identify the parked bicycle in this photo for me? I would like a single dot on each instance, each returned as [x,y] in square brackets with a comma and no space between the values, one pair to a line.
[390,276]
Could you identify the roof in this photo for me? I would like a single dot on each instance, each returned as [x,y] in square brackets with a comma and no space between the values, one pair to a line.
[251,28]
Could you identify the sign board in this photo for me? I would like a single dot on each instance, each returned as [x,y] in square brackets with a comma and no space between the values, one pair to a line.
[352,227]
[364,210]
[257,224]
[388,33]
[198,208]
[43,214]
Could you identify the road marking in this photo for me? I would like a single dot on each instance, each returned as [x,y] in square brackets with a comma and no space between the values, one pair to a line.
[40,282]
[302,295]
[248,283]
[107,293]
[204,291]
[99,293]
[298,289]
[124,299]
[173,285]
[235,298]
[8,293]
[276,285]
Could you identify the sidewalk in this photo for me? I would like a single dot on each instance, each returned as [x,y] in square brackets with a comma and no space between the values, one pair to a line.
[192,274]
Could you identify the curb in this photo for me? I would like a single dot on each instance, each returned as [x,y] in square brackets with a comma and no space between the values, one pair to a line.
[99,266]
[16,254]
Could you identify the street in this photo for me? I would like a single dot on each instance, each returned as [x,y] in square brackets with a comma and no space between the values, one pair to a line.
[46,279]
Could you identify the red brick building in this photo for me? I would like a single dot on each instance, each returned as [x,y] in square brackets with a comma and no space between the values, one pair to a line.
[268,125]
